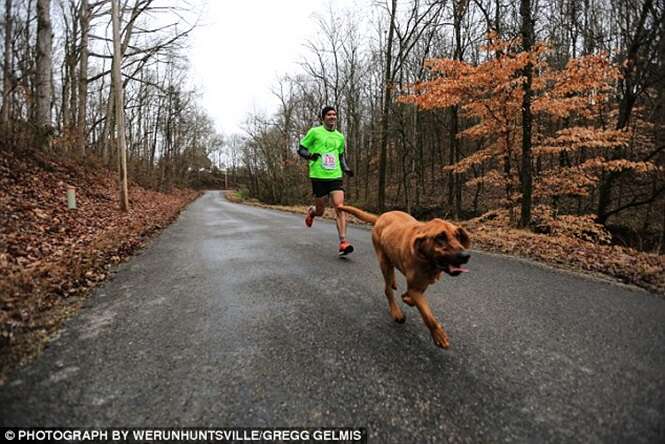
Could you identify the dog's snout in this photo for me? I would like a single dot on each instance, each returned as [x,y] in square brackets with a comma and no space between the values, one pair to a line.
[463,257]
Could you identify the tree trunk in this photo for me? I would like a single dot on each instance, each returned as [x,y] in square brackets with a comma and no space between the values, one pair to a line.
[525,172]
[104,141]
[44,65]
[65,109]
[661,242]
[455,179]
[387,101]
[153,145]
[508,173]
[81,127]
[459,10]
[451,159]
[72,76]
[119,107]
[8,66]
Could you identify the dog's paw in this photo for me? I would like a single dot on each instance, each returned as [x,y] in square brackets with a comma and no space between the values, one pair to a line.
[440,337]
[394,284]
[408,300]
[397,314]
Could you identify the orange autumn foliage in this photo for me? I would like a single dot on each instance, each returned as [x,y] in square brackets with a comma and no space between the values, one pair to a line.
[569,106]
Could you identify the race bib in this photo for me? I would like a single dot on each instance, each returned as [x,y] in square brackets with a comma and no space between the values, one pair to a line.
[329,161]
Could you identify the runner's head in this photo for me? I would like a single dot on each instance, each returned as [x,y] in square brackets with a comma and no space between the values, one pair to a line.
[329,116]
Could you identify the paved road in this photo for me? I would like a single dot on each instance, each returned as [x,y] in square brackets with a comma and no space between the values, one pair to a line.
[237,316]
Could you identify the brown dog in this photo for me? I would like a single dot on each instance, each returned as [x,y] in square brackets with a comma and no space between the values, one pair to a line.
[421,251]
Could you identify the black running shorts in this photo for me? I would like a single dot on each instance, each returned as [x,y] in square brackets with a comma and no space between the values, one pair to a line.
[322,188]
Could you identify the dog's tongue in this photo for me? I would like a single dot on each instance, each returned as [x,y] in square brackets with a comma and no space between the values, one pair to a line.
[454,269]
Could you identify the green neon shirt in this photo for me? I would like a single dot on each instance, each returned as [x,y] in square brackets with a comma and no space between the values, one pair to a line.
[330,144]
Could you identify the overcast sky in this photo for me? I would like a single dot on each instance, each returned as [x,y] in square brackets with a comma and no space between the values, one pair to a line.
[243,46]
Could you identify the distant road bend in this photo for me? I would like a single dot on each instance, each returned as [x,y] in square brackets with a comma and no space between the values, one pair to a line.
[240,316]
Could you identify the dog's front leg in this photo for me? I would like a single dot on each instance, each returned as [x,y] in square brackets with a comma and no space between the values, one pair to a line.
[439,335]
[388,271]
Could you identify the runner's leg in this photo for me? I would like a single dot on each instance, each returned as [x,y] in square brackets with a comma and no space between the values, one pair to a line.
[337,198]
[320,205]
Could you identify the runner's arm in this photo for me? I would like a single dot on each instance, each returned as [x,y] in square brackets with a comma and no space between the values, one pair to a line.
[304,153]
[345,166]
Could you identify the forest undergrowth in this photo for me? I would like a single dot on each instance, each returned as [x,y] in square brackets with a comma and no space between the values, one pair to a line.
[51,256]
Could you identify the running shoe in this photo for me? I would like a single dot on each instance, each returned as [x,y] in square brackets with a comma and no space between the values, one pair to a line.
[345,248]
[309,219]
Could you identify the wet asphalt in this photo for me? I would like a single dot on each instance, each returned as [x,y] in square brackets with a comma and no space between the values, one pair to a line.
[241,317]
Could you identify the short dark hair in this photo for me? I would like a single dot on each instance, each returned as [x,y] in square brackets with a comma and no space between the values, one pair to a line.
[325,110]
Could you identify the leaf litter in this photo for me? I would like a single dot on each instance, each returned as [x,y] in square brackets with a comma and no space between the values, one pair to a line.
[50,256]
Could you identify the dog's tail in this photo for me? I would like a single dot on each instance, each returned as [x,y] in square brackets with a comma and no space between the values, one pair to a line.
[360,214]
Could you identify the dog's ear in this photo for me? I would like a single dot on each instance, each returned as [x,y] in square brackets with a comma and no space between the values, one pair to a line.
[463,237]
[419,244]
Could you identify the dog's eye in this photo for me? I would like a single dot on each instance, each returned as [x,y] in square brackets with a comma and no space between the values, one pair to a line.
[441,238]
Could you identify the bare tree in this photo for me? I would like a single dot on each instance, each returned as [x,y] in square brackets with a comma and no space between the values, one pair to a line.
[419,19]
[44,64]
[528,38]
[7,65]
[81,125]
[119,107]
[456,180]
[387,101]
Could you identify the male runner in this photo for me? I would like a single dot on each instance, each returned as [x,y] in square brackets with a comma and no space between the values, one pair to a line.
[323,146]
